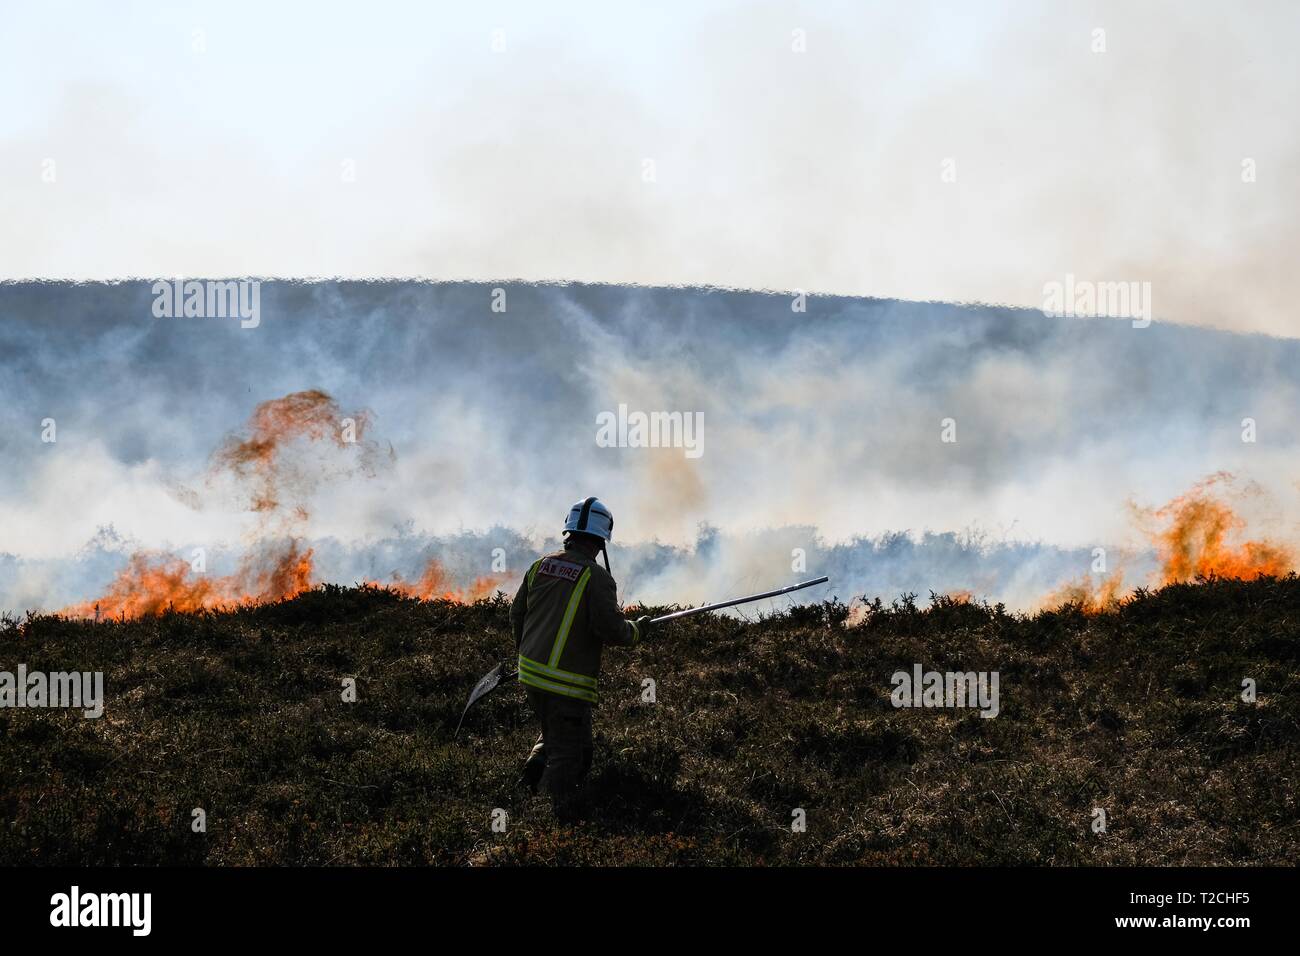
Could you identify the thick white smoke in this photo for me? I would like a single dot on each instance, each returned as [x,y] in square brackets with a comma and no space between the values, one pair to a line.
[823,433]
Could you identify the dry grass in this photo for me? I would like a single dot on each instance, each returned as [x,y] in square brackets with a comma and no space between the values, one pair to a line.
[1137,711]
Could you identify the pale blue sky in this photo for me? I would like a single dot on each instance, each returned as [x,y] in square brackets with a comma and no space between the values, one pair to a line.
[772,169]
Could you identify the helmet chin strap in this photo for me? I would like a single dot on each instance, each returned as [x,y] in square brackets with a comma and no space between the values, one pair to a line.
[604,553]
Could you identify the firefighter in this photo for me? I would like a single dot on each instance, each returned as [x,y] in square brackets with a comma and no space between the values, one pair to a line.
[565,611]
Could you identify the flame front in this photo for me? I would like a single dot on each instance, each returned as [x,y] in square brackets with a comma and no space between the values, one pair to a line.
[153,584]
[1198,540]
[1196,536]
[1090,595]
[277,564]
[435,584]
[276,462]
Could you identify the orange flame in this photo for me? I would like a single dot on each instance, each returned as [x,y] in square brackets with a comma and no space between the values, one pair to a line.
[435,583]
[1198,541]
[1198,535]
[1092,596]
[258,460]
[289,575]
[150,585]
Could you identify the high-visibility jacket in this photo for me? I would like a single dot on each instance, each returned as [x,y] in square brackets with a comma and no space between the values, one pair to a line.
[565,611]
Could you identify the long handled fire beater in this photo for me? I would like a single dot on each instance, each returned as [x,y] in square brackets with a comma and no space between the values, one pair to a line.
[499,675]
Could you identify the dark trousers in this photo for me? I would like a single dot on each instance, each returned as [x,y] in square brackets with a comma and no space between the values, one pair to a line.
[561,757]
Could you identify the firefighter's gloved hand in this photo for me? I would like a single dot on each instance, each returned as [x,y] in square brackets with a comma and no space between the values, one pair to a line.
[644,627]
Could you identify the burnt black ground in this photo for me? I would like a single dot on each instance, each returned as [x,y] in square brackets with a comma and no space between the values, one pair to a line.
[1136,711]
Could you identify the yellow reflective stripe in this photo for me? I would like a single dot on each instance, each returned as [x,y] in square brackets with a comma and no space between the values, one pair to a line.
[532,572]
[554,672]
[563,634]
[532,665]
[531,679]
[636,633]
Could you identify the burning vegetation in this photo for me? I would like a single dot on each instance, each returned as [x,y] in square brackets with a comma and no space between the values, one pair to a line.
[289,447]
[1196,536]
[1201,539]
[152,584]
[292,445]
[435,583]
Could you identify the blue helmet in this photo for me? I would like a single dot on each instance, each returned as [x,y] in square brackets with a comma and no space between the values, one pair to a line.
[591,517]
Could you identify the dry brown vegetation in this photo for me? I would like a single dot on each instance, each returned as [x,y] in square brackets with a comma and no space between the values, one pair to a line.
[1135,710]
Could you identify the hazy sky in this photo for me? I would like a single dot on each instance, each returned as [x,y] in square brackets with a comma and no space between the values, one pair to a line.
[963,152]
[392,139]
